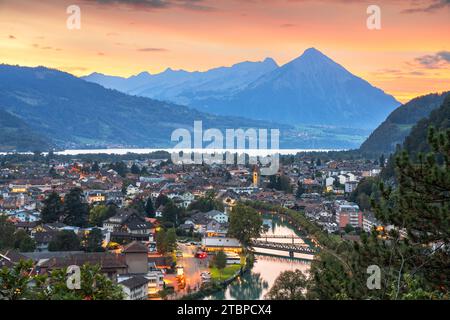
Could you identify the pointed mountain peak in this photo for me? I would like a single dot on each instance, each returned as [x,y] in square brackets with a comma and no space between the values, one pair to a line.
[313,59]
[312,54]
[312,51]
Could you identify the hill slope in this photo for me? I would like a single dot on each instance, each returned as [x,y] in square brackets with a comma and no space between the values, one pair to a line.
[16,135]
[399,123]
[76,113]
[417,140]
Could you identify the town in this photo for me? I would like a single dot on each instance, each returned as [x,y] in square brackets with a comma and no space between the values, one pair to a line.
[161,230]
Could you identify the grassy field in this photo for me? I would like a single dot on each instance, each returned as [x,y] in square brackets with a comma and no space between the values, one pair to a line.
[226,273]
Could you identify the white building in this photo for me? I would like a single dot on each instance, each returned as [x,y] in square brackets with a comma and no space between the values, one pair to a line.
[132,190]
[343,178]
[370,222]
[350,186]
[329,181]
[155,279]
[135,288]
[25,216]
[219,216]
[221,243]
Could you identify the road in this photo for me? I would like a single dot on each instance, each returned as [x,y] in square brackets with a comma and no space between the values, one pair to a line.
[193,266]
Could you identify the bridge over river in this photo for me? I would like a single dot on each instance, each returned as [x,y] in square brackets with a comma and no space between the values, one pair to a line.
[287,243]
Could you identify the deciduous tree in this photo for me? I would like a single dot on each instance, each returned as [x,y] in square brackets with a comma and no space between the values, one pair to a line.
[245,224]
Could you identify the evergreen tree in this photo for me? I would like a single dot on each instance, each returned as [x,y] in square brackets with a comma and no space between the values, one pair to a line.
[220,261]
[120,168]
[149,208]
[421,206]
[171,239]
[144,171]
[135,169]
[170,213]
[53,208]
[6,233]
[161,200]
[382,160]
[76,212]
[161,241]
[95,167]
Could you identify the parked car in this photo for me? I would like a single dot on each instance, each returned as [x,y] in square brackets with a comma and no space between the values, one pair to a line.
[201,254]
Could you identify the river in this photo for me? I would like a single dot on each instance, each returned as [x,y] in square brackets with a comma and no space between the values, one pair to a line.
[255,284]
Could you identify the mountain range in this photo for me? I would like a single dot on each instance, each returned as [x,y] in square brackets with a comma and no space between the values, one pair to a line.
[185,87]
[309,90]
[73,113]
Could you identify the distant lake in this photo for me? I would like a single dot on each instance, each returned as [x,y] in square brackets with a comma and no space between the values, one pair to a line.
[251,152]
[123,151]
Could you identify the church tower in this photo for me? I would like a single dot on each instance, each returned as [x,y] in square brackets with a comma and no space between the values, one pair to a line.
[255,176]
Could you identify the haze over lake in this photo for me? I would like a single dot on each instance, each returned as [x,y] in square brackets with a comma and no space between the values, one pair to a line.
[251,152]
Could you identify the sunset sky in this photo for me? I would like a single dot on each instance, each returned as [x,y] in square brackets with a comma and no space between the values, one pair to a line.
[408,57]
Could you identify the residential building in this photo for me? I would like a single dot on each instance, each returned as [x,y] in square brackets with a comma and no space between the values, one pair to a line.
[350,186]
[135,288]
[348,214]
[370,222]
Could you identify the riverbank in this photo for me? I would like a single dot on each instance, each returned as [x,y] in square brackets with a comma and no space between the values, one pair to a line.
[216,286]
[253,283]
[304,226]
